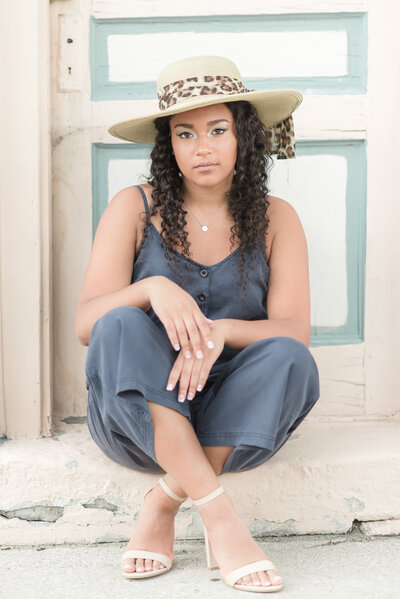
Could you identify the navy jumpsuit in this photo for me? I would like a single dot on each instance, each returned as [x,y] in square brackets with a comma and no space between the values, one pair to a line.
[254,398]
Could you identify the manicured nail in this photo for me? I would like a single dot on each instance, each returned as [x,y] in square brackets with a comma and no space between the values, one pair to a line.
[190,395]
[170,386]
[199,387]
[199,354]
[210,344]
[188,354]
[181,398]
[177,346]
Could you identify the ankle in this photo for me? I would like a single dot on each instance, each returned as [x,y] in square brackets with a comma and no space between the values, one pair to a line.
[217,510]
[162,502]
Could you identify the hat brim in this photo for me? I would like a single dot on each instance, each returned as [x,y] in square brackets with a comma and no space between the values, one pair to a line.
[272,107]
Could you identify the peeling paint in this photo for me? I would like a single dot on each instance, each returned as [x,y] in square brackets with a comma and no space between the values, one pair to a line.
[101,503]
[354,504]
[75,420]
[35,513]
[196,527]
[72,464]
[270,528]
[58,433]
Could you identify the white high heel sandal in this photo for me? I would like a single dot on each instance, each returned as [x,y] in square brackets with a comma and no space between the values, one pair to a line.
[231,578]
[140,553]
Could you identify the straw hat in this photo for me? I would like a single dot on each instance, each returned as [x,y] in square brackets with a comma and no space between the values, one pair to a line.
[198,81]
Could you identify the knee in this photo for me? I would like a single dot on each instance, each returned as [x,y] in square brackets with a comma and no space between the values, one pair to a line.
[293,351]
[121,314]
[117,317]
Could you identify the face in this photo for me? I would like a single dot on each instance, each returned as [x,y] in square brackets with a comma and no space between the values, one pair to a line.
[204,135]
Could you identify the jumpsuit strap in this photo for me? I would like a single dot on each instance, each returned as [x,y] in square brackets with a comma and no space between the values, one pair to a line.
[146,206]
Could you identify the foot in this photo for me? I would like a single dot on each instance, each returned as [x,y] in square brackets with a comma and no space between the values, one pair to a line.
[232,543]
[154,531]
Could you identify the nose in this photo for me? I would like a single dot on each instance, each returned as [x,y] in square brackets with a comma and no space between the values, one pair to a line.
[203,143]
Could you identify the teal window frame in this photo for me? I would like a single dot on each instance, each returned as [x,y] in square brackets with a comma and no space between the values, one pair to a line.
[355,25]
[355,153]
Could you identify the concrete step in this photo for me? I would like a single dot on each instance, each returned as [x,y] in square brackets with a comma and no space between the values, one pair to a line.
[328,475]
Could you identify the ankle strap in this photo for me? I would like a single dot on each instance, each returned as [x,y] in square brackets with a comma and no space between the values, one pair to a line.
[209,496]
[169,491]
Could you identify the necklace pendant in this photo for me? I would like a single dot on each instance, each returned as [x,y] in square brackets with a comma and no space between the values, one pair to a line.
[204,228]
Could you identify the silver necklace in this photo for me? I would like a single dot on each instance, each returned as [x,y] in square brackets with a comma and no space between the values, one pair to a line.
[205,227]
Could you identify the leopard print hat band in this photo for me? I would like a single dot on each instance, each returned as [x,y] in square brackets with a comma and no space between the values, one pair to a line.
[202,85]
[199,81]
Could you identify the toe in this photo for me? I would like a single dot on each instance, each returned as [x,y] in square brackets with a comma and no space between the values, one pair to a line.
[255,579]
[128,565]
[247,580]
[274,577]
[140,565]
[148,564]
[264,579]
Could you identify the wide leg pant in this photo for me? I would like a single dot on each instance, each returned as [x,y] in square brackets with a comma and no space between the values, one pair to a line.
[254,401]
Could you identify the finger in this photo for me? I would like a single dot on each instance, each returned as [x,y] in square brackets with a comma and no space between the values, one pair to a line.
[204,372]
[175,372]
[184,378]
[204,330]
[194,336]
[171,331]
[194,378]
[183,336]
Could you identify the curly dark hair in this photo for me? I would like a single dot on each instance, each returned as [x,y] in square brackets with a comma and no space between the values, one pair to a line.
[247,198]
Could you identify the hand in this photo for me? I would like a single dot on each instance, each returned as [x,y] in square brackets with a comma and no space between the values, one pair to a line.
[193,371]
[184,322]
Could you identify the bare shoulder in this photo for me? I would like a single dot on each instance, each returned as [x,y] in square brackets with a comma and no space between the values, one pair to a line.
[283,218]
[128,198]
[279,211]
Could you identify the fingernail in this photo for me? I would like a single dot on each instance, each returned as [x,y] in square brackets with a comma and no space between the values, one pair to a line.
[177,346]
[190,395]
[188,354]
[210,344]
[181,398]
[199,354]
[170,386]
[199,387]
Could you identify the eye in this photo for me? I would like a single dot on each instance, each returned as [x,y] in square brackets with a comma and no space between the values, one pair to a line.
[184,133]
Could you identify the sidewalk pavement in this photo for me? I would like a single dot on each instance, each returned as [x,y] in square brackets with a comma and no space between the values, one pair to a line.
[348,566]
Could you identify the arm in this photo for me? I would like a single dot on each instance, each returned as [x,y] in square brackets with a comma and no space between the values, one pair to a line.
[288,300]
[107,280]
[89,312]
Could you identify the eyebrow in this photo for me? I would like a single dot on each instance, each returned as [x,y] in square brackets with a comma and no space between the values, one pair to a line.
[209,123]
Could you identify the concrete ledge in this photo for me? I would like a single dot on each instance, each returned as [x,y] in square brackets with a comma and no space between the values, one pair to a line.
[63,489]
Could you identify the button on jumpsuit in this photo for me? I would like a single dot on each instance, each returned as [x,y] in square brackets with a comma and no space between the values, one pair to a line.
[254,398]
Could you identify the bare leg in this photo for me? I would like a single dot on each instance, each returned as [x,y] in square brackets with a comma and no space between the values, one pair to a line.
[216,456]
[177,449]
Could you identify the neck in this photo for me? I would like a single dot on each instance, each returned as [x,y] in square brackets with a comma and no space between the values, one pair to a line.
[207,199]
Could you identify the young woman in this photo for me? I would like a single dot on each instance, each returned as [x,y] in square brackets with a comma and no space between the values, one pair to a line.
[197,315]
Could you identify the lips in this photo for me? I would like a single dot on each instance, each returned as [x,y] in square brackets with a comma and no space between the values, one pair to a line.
[205,164]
